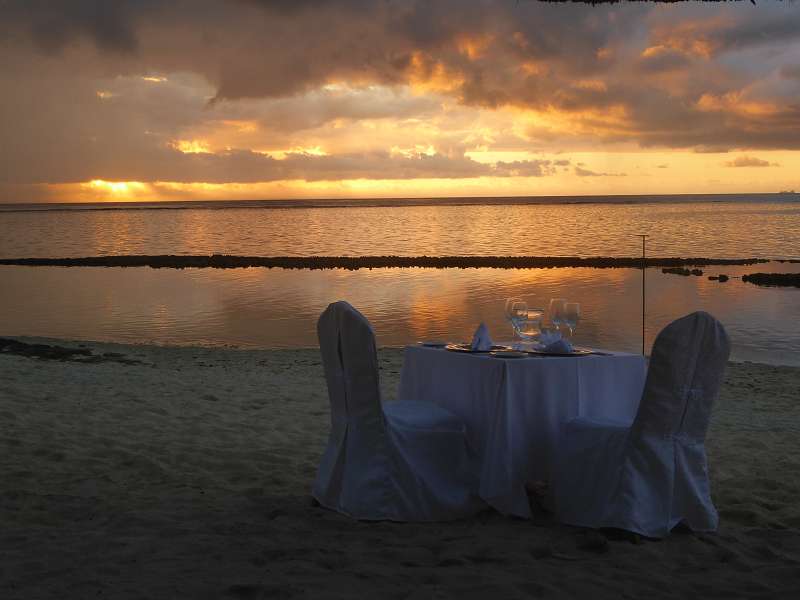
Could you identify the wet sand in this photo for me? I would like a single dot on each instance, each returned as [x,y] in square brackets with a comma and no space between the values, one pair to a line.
[157,472]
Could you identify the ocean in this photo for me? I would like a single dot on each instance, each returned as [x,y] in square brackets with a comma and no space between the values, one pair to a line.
[277,308]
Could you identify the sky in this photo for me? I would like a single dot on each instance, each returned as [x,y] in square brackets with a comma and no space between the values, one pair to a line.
[240,99]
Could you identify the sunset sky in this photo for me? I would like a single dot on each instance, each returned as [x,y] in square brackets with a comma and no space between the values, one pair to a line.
[213,99]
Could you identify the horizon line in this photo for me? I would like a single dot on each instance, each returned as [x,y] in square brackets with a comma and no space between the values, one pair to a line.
[378,201]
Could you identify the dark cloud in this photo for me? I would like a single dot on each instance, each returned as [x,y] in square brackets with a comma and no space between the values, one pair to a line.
[295,6]
[667,59]
[749,161]
[766,30]
[53,25]
[790,72]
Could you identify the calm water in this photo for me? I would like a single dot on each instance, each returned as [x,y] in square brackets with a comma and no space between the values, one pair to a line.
[278,308]
[711,229]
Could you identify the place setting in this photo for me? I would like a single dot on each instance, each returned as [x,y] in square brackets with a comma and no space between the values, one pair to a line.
[540,332]
[537,332]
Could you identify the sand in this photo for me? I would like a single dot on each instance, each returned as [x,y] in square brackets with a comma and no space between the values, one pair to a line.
[187,475]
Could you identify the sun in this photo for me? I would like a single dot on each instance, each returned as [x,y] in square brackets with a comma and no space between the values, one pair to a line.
[117,188]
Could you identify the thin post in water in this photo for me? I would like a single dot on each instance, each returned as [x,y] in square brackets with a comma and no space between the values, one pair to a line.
[644,270]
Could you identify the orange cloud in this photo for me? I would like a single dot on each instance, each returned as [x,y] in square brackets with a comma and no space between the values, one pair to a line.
[695,38]
[474,46]
[749,161]
[191,146]
[427,74]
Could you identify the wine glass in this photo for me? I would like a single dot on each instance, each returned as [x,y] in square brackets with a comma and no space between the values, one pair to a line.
[571,316]
[515,307]
[510,302]
[529,324]
[556,312]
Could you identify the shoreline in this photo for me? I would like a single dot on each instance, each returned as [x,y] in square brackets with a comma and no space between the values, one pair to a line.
[47,348]
[187,474]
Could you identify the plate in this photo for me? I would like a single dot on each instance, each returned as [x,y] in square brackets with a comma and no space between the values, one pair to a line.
[468,348]
[508,354]
[433,344]
[576,352]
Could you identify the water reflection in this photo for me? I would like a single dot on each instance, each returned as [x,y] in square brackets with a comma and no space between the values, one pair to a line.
[278,308]
[718,229]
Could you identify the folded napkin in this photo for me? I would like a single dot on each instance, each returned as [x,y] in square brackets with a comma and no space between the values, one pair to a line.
[481,340]
[551,341]
[547,337]
[561,346]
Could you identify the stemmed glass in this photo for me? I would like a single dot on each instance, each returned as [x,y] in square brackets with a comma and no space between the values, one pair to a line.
[571,316]
[556,312]
[529,325]
[516,308]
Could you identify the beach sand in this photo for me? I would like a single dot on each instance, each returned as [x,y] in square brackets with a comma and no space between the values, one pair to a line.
[187,475]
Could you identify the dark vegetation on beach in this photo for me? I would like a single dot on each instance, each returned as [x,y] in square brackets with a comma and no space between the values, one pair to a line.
[222,261]
[682,271]
[48,352]
[773,279]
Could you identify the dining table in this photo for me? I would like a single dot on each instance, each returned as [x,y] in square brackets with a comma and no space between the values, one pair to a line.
[514,409]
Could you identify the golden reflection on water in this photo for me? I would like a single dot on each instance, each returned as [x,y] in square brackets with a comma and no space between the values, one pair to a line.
[278,308]
[677,229]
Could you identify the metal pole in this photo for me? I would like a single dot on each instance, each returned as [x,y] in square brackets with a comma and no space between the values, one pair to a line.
[644,270]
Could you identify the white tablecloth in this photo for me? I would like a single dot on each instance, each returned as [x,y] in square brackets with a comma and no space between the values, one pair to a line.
[514,409]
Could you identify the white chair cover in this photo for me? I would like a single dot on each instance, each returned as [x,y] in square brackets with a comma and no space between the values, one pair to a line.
[401,461]
[650,475]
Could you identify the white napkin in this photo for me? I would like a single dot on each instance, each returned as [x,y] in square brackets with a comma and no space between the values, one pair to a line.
[551,341]
[481,340]
[561,346]
[547,337]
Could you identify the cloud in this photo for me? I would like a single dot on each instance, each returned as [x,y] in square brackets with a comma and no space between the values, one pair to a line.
[111,26]
[658,59]
[165,163]
[749,161]
[257,80]
[581,172]
[527,168]
[790,72]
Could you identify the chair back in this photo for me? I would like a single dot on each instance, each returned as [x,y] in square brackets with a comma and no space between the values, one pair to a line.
[687,365]
[350,361]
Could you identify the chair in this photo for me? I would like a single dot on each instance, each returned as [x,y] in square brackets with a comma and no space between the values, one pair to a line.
[399,461]
[650,475]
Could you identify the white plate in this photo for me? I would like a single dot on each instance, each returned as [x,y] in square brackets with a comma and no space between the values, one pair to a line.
[509,354]
[575,352]
[468,348]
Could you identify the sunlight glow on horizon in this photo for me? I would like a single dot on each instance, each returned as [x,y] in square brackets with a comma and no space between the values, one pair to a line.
[115,188]
[676,173]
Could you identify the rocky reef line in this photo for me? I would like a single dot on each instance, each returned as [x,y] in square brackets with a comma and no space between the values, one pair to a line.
[223,261]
